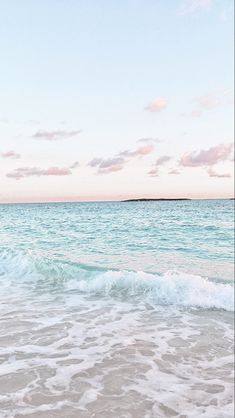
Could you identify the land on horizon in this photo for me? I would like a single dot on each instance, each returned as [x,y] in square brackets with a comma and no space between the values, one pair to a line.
[156,199]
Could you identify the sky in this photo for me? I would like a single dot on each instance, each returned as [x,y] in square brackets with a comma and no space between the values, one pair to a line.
[108,100]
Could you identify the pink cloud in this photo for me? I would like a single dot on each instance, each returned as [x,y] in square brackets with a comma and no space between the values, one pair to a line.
[108,165]
[208,102]
[56,171]
[111,169]
[11,154]
[117,163]
[139,152]
[204,158]
[23,172]
[157,105]
[55,135]
[111,165]
[147,149]
[213,173]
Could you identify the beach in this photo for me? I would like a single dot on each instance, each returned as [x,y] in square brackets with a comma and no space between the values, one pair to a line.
[117,309]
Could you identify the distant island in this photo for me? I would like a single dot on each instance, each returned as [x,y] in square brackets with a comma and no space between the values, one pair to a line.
[154,200]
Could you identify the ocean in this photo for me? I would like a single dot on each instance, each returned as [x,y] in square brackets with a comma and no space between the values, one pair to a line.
[117,310]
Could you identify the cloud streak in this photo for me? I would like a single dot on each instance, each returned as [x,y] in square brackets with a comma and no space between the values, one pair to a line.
[174,172]
[213,173]
[206,158]
[111,169]
[162,160]
[55,135]
[11,154]
[139,152]
[154,172]
[95,162]
[118,162]
[24,172]
[107,165]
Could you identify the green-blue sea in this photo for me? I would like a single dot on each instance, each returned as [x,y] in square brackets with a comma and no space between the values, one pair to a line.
[117,309]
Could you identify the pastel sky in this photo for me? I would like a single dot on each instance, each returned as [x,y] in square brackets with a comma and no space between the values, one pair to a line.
[107,99]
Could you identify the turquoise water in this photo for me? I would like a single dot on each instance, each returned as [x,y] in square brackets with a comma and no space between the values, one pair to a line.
[109,233]
[136,284]
[81,240]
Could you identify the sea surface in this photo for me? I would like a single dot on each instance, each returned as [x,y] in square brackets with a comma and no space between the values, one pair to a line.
[117,310]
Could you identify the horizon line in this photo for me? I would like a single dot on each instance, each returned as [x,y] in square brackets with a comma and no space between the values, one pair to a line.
[116,200]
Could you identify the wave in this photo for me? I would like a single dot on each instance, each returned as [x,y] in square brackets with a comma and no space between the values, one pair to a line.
[171,288]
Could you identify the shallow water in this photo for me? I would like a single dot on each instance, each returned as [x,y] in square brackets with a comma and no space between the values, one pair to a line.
[116,310]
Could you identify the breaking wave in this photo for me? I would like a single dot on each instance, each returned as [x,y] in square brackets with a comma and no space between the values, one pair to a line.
[171,288]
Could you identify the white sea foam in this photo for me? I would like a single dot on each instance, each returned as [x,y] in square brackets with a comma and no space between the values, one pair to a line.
[82,356]
[171,288]
[78,341]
